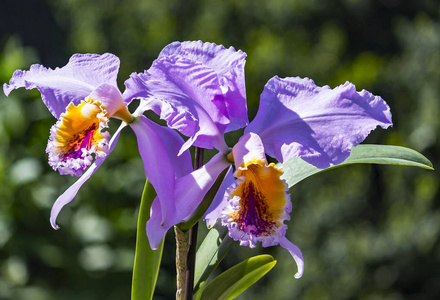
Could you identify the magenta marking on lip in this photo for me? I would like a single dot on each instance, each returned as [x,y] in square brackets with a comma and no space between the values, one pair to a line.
[86,143]
[252,214]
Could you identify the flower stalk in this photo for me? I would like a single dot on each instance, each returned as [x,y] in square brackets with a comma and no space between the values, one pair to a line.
[186,249]
[191,261]
[181,263]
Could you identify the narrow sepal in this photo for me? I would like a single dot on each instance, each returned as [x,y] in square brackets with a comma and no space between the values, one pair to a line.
[189,191]
[296,254]
[71,192]
[158,147]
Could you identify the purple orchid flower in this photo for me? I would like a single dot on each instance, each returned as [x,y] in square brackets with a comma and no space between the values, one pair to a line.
[83,95]
[199,89]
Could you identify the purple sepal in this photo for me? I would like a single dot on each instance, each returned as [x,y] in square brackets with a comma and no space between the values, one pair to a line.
[158,147]
[188,191]
[296,254]
[71,192]
[214,211]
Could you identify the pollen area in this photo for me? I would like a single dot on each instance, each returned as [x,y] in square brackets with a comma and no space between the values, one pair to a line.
[263,203]
[76,136]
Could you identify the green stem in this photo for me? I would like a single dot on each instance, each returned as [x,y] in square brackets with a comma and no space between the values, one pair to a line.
[146,261]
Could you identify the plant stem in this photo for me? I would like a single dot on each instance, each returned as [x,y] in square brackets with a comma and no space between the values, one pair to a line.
[191,261]
[181,263]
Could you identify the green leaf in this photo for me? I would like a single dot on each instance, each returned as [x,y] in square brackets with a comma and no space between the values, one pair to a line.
[296,169]
[210,253]
[237,279]
[146,261]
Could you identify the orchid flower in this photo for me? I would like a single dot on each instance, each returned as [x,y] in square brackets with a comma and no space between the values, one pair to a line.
[82,96]
[199,89]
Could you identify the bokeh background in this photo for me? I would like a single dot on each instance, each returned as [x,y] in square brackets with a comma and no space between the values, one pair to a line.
[367,232]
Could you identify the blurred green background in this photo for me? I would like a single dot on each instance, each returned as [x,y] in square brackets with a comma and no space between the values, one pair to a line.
[366,232]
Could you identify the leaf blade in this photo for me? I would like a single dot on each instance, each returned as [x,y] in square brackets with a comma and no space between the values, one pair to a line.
[237,279]
[211,251]
[147,261]
[296,170]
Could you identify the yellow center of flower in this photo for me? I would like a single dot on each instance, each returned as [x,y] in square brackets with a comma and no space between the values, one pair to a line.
[263,199]
[80,128]
[77,135]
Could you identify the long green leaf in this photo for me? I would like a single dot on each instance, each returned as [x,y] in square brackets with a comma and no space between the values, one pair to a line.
[237,279]
[296,169]
[146,261]
[210,253]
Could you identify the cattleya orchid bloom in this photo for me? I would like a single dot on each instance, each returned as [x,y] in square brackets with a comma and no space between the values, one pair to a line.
[83,95]
[199,89]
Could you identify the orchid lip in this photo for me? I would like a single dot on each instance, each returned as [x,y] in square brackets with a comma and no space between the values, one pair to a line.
[258,205]
[77,136]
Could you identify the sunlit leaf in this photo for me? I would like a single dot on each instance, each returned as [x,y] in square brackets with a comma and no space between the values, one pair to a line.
[147,261]
[296,169]
[210,253]
[237,279]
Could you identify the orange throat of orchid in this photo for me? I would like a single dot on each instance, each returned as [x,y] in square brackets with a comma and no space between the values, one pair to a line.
[77,135]
[259,204]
